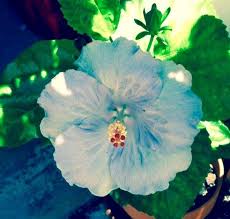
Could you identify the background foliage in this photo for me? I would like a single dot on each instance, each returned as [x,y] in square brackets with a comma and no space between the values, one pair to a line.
[208,60]
[96,18]
[21,84]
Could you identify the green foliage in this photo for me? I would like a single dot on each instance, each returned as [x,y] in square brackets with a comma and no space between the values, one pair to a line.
[208,59]
[140,24]
[222,151]
[153,27]
[219,134]
[175,201]
[165,15]
[96,18]
[161,45]
[21,84]
[123,3]
[142,34]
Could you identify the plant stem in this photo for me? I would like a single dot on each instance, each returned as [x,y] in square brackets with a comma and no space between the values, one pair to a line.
[150,43]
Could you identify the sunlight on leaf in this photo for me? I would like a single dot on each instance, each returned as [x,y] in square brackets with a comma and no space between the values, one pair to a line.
[2,142]
[1,113]
[5,90]
[25,119]
[32,78]
[208,61]
[96,18]
[17,82]
[26,76]
[44,74]
[54,51]
[219,133]
[183,15]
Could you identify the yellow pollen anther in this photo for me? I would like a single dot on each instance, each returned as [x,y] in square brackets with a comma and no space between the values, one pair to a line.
[117,134]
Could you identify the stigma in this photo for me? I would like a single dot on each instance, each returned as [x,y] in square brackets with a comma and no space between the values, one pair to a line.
[117,134]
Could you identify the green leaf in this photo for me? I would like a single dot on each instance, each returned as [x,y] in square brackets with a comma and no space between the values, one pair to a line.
[208,59]
[140,23]
[219,133]
[161,41]
[123,3]
[179,197]
[161,46]
[222,151]
[166,28]
[5,90]
[96,18]
[165,15]
[21,84]
[142,34]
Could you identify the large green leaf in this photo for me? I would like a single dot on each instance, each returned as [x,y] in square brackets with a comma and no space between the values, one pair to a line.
[21,84]
[96,18]
[179,197]
[219,133]
[208,59]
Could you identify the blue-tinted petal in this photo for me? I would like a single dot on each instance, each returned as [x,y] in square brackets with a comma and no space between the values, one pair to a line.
[83,155]
[159,137]
[72,97]
[130,73]
[175,115]
[140,169]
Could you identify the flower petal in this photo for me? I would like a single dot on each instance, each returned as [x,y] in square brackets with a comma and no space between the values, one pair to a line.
[142,170]
[72,98]
[132,74]
[159,137]
[177,106]
[82,155]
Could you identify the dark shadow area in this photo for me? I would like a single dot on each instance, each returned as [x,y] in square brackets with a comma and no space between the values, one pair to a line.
[44,17]
[31,186]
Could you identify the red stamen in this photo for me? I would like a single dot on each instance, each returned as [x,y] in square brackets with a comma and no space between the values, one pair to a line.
[122,144]
[117,135]
[115,144]
[112,140]
[122,137]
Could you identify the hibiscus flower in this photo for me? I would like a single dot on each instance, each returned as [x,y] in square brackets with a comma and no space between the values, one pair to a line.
[122,120]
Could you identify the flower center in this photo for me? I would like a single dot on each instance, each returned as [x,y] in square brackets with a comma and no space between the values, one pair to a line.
[117,134]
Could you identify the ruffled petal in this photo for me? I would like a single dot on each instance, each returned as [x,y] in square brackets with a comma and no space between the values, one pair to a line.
[153,99]
[82,155]
[159,137]
[175,115]
[72,97]
[130,73]
[143,170]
